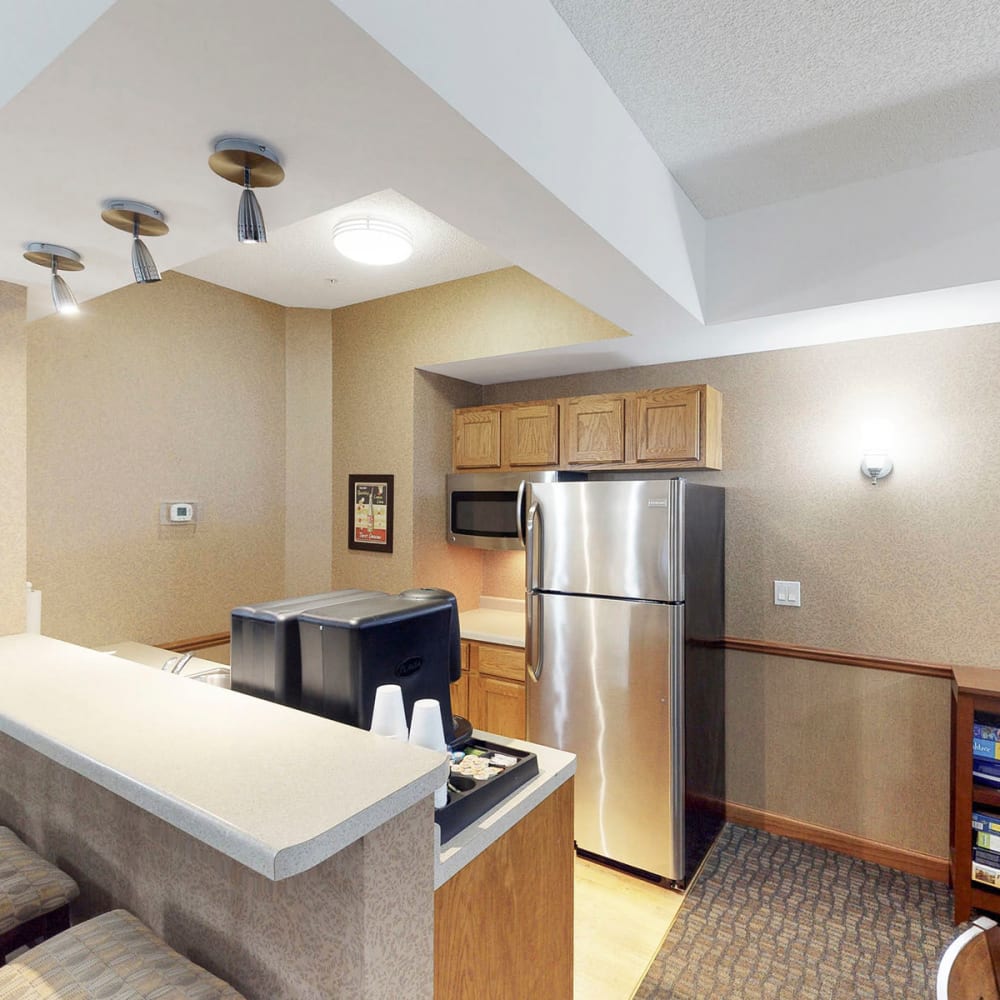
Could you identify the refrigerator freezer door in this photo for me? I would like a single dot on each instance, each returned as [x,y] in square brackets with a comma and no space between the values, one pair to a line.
[611,691]
[610,539]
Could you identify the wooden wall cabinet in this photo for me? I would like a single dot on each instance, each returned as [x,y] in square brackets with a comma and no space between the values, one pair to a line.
[492,689]
[678,428]
[593,430]
[515,436]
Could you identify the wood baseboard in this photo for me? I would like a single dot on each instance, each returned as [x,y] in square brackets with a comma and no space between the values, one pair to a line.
[924,865]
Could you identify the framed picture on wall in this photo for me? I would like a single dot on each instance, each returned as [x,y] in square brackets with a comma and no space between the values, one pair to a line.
[370,513]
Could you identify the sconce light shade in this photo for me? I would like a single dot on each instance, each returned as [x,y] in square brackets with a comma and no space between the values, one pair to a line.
[56,259]
[372,241]
[139,219]
[252,165]
[875,466]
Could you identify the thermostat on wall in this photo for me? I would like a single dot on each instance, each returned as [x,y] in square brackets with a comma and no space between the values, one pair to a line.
[181,512]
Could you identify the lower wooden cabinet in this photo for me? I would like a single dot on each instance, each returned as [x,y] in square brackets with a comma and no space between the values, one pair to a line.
[503,925]
[491,692]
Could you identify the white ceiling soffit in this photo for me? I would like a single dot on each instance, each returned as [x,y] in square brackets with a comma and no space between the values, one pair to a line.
[753,103]
[299,267]
[35,33]
[489,119]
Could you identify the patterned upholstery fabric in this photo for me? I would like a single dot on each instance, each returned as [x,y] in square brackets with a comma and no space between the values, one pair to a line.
[112,957]
[29,885]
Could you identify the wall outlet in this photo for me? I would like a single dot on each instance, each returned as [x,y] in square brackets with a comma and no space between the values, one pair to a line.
[788,593]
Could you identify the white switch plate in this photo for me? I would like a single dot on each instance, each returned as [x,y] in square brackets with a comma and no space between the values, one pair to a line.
[788,593]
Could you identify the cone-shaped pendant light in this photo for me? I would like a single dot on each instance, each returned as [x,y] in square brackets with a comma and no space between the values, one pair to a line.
[56,259]
[252,165]
[139,219]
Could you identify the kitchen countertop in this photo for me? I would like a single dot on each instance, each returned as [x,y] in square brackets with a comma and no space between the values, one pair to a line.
[275,789]
[497,619]
[554,768]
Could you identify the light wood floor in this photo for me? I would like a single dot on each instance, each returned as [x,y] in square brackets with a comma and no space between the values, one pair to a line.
[619,922]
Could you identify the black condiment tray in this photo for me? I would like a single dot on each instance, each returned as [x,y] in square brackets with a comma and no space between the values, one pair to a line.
[465,806]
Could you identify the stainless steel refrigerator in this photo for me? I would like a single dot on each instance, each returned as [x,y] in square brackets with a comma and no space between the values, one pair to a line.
[624,602]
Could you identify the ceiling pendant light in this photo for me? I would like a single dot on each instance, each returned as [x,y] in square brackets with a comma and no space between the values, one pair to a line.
[139,219]
[372,241]
[253,165]
[57,259]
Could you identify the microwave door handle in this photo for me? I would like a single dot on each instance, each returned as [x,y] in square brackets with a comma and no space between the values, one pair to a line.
[520,508]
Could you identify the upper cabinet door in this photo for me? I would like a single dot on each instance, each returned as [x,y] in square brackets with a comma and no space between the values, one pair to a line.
[593,429]
[477,438]
[530,435]
[668,426]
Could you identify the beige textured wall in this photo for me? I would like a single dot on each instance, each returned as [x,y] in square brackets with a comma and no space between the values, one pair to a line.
[904,569]
[13,458]
[308,451]
[908,569]
[435,562]
[173,391]
[377,345]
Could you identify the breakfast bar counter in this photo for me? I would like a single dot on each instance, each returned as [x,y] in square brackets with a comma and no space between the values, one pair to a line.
[290,855]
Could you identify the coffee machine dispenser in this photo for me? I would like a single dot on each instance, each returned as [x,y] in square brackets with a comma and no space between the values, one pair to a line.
[350,648]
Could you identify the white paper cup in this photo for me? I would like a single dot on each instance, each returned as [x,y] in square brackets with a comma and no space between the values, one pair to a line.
[388,715]
[426,727]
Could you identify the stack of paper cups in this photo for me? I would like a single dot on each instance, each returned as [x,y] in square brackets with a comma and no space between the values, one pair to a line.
[427,730]
[33,611]
[388,716]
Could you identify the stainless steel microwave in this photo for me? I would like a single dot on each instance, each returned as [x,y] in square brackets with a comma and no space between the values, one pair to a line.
[485,508]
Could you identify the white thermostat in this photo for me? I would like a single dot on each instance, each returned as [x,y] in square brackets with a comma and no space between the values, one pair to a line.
[181,512]
[178,512]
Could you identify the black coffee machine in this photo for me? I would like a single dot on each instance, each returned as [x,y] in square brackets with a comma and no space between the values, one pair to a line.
[351,648]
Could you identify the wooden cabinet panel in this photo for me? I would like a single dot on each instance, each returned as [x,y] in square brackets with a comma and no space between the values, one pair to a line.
[496,696]
[503,707]
[530,435]
[476,442]
[460,696]
[593,429]
[502,661]
[668,426]
[503,925]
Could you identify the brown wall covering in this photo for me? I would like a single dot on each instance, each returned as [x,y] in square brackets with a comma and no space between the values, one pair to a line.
[173,391]
[13,459]
[381,426]
[308,451]
[905,570]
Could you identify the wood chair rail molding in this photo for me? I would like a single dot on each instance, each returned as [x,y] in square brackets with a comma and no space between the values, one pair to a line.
[198,642]
[766,648]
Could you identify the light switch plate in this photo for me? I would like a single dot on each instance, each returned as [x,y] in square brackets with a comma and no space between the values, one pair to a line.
[788,593]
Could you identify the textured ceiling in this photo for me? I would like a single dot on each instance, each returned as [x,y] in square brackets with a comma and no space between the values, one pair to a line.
[748,104]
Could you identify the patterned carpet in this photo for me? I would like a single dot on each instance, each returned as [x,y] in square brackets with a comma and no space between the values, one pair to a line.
[770,917]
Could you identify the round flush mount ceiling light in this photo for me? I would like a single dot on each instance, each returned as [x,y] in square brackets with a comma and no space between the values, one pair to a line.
[372,241]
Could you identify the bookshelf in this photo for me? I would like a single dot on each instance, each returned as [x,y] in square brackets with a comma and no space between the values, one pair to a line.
[973,690]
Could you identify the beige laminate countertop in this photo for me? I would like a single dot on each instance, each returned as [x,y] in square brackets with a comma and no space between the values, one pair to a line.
[495,620]
[276,789]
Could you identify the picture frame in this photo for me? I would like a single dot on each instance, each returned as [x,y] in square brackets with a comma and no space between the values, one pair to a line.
[370,512]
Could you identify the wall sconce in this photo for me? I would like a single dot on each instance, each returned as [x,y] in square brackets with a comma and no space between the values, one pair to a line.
[875,466]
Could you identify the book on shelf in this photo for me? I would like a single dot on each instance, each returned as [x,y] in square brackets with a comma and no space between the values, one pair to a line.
[987,874]
[986,771]
[988,823]
[985,748]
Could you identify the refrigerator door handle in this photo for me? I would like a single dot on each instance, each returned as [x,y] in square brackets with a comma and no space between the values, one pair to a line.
[532,536]
[533,630]
[520,511]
